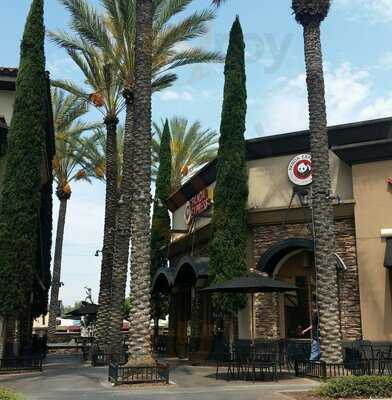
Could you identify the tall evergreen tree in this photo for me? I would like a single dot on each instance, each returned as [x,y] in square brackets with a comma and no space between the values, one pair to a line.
[160,226]
[229,225]
[21,200]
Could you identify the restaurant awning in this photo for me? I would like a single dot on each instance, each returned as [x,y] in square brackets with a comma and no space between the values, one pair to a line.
[84,309]
[251,284]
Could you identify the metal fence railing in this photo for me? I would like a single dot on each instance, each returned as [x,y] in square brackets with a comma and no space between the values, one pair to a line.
[121,374]
[322,370]
[16,364]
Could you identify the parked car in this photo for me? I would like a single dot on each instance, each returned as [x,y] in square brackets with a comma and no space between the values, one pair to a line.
[125,326]
[73,329]
[63,324]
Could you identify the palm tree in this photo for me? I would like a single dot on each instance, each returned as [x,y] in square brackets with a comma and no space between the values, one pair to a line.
[69,165]
[114,34]
[310,14]
[104,91]
[139,347]
[98,150]
[191,147]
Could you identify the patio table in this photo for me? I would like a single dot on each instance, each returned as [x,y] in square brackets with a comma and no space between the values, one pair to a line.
[266,363]
[241,364]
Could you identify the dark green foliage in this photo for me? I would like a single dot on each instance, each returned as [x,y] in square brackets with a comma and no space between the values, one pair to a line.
[6,394]
[127,307]
[43,276]
[3,141]
[229,225]
[307,11]
[44,258]
[160,227]
[364,387]
[20,205]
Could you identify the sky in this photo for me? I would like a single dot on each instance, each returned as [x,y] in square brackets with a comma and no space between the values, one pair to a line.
[357,50]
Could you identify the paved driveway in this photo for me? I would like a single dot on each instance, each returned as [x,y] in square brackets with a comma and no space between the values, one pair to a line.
[67,378]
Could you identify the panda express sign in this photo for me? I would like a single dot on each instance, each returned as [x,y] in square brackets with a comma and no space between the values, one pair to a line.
[300,170]
[197,205]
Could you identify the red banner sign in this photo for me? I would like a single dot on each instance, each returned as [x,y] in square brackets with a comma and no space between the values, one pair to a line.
[197,205]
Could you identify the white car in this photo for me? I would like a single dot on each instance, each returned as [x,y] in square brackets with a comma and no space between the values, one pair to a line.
[63,324]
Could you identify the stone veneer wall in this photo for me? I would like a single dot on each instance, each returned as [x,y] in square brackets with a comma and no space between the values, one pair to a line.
[200,250]
[266,305]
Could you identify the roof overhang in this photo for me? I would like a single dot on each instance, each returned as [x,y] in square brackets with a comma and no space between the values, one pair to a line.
[359,153]
[357,142]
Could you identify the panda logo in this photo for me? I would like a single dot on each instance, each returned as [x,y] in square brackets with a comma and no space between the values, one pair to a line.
[303,170]
[300,170]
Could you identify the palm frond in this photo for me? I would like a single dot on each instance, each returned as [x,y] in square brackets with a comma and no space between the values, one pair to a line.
[189,28]
[108,37]
[71,156]
[167,9]
[218,3]
[162,82]
[88,23]
[191,147]
[70,87]
[193,56]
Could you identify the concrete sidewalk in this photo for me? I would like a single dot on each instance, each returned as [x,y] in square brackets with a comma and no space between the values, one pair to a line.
[66,378]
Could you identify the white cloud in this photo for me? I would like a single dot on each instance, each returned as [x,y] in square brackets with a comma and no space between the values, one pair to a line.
[381,107]
[171,95]
[349,97]
[375,10]
[346,89]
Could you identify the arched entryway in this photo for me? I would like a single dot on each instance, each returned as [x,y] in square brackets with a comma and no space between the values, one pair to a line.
[292,261]
[295,308]
[188,315]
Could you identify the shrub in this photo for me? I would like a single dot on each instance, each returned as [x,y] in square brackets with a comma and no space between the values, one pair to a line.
[358,387]
[7,395]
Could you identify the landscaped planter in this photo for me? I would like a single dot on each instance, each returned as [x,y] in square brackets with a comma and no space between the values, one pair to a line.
[122,374]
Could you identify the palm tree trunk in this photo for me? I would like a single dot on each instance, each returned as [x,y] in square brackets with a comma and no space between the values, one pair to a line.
[327,286]
[139,334]
[122,237]
[54,293]
[105,288]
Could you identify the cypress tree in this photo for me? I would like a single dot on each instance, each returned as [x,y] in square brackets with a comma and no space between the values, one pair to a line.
[229,225]
[20,204]
[160,227]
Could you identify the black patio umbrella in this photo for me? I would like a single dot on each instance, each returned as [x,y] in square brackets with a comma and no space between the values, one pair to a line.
[251,284]
[84,309]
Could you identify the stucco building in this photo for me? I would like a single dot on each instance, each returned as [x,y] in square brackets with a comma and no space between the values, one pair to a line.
[280,241]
